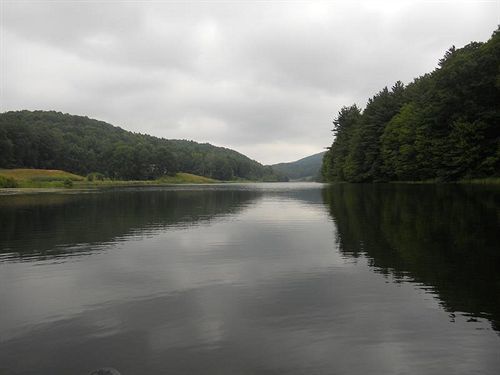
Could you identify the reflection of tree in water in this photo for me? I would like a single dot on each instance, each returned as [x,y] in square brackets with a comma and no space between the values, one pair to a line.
[51,225]
[444,236]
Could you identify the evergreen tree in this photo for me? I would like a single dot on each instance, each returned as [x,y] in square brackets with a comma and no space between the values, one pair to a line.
[442,126]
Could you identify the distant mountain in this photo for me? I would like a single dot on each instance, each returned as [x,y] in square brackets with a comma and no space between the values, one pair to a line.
[77,144]
[303,169]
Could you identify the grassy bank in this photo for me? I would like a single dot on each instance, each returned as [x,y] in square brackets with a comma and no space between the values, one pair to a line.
[37,178]
[48,179]
[178,178]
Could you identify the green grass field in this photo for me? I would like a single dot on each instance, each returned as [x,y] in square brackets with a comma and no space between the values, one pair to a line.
[186,178]
[38,178]
[47,178]
[39,174]
[178,178]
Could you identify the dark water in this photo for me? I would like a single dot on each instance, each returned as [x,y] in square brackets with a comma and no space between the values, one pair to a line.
[252,279]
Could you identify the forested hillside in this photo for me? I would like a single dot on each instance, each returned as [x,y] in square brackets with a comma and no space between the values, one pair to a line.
[305,168]
[443,126]
[53,140]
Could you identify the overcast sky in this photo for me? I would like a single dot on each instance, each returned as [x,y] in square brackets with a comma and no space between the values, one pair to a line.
[264,78]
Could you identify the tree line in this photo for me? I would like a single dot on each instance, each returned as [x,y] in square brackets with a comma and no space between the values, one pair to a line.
[53,140]
[444,126]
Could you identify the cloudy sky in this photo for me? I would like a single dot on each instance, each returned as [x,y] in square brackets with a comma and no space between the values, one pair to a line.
[265,78]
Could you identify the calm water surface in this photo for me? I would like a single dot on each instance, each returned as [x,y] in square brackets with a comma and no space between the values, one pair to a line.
[252,279]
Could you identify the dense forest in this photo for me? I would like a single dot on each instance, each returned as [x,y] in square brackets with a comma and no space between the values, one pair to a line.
[307,168]
[53,140]
[444,126]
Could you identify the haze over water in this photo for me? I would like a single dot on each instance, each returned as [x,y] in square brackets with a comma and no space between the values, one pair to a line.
[297,278]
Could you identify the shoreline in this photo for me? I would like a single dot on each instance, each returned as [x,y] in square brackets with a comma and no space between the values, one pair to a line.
[87,187]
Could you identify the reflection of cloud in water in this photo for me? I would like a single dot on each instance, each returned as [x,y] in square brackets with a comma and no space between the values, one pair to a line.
[238,249]
[298,323]
[265,290]
[59,225]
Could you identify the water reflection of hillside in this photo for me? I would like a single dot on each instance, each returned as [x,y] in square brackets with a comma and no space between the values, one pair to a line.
[59,224]
[445,237]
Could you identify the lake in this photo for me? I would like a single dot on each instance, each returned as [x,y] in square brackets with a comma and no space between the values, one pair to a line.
[291,278]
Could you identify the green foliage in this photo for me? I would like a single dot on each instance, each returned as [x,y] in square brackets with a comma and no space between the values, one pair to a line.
[68,183]
[7,182]
[398,145]
[185,178]
[53,140]
[95,176]
[302,169]
[444,126]
[339,161]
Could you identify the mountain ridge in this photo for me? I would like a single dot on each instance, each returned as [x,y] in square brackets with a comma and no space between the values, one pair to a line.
[82,145]
[306,168]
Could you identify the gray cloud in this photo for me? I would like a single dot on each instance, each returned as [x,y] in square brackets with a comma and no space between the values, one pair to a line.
[263,78]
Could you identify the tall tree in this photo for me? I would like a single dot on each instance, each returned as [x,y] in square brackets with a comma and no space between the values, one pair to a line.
[442,126]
